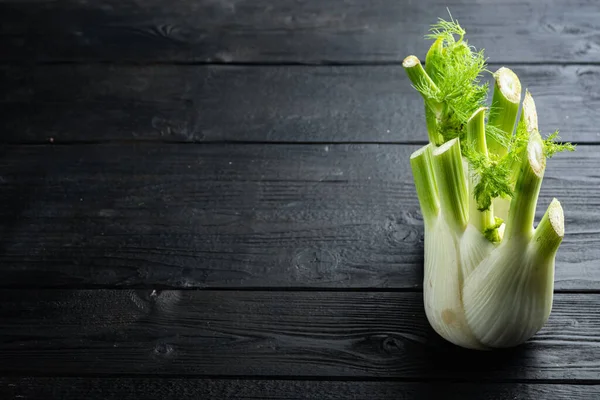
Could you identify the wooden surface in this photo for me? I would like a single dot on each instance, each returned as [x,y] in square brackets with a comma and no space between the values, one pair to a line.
[309,31]
[175,103]
[233,389]
[212,199]
[232,215]
[278,334]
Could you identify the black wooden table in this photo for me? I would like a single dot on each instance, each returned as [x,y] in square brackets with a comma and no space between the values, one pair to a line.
[212,199]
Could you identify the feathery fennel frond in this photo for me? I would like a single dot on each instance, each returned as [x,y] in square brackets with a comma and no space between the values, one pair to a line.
[456,69]
[446,30]
[551,147]
[517,143]
[492,177]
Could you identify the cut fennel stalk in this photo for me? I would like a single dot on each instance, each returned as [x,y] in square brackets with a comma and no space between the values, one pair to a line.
[489,275]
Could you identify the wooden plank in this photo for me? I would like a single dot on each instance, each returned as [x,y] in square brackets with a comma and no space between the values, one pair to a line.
[286,30]
[283,103]
[284,334]
[234,389]
[184,103]
[244,215]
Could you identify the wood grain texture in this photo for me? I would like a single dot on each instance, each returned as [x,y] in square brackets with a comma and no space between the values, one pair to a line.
[244,215]
[286,334]
[234,389]
[275,103]
[311,31]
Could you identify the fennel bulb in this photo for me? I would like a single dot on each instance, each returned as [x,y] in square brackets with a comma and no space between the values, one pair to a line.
[489,275]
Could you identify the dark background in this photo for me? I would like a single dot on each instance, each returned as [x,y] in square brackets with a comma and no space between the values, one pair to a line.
[212,199]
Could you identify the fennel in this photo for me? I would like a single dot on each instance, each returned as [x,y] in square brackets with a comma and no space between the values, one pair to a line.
[489,275]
